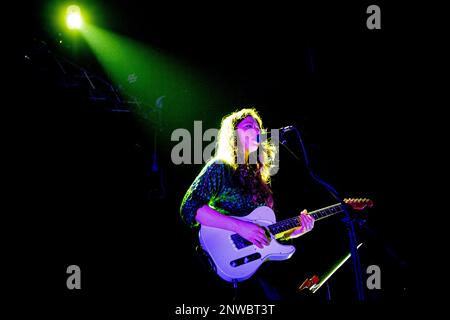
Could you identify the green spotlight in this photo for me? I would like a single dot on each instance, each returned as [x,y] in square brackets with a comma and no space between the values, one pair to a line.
[73,17]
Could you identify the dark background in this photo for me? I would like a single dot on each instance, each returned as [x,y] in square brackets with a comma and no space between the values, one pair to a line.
[86,192]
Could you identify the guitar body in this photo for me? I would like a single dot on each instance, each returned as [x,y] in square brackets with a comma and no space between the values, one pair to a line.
[233,260]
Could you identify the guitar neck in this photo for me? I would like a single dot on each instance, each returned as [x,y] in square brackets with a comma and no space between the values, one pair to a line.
[285,225]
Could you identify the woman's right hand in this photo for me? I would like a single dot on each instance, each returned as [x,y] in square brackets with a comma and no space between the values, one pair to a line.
[253,233]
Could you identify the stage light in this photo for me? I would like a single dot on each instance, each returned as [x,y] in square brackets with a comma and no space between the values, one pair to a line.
[73,17]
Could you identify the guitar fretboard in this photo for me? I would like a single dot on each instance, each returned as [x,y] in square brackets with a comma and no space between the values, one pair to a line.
[284,225]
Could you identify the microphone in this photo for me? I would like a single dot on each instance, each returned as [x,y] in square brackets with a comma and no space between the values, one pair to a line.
[286,129]
[268,133]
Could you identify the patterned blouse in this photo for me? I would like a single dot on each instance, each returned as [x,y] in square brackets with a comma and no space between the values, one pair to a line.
[216,187]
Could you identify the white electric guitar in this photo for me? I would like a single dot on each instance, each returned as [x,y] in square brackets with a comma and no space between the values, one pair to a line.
[234,258]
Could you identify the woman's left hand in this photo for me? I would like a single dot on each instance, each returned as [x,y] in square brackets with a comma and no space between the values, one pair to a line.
[307,224]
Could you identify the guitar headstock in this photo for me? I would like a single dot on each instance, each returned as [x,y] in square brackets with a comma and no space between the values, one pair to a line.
[359,203]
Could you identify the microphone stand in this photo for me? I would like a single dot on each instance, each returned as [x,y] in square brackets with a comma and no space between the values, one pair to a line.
[359,283]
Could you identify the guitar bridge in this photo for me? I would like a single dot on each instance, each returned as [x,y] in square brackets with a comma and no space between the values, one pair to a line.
[246,259]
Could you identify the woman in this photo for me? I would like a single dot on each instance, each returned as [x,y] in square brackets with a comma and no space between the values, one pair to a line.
[236,181]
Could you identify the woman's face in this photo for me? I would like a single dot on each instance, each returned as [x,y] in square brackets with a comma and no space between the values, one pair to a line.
[248,131]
